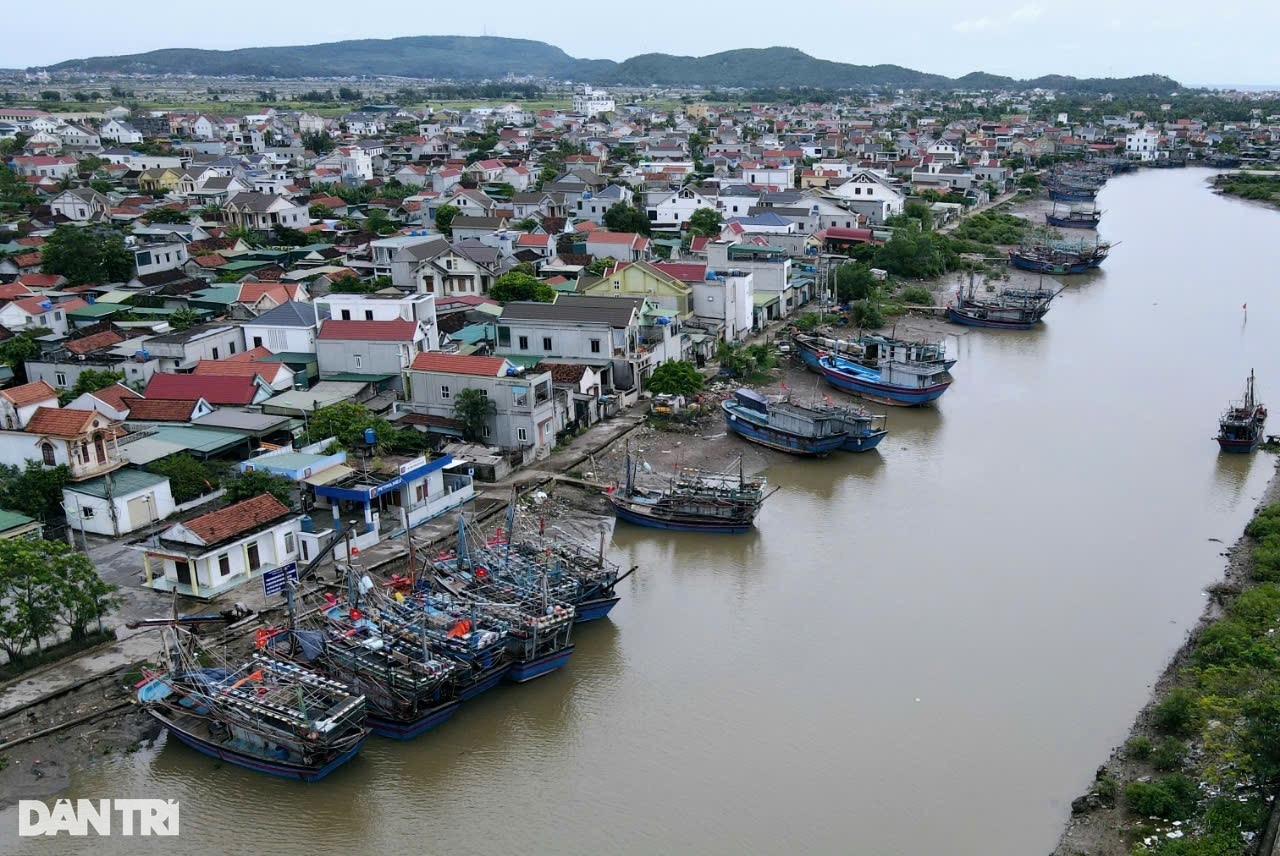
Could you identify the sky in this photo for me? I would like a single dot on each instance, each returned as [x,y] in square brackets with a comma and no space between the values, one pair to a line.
[1225,42]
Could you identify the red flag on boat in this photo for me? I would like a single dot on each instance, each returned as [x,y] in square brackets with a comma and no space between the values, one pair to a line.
[1245,306]
[783,385]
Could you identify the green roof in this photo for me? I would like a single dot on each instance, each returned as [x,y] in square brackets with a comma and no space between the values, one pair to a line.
[357,377]
[123,482]
[764,298]
[289,357]
[473,333]
[246,266]
[12,520]
[523,360]
[221,294]
[166,311]
[96,310]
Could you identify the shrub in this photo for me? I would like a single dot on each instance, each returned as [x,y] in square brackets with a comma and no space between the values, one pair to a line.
[1106,787]
[866,314]
[1168,756]
[1138,748]
[1172,797]
[1267,522]
[1177,714]
[1229,815]
[1266,559]
[917,295]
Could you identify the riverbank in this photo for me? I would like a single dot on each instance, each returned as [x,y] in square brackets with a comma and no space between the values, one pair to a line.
[1104,821]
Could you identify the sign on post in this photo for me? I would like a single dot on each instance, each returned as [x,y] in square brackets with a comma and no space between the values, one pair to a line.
[273,581]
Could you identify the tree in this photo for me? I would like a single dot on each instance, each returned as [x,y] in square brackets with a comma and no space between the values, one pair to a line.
[444,219]
[473,409]
[514,285]
[1029,180]
[346,422]
[80,595]
[90,254]
[598,267]
[854,281]
[625,218]
[27,610]
[705,222]
[182,318]
[33,491]
[253,483]
[91,380]
[675,377]
[528,224]
[188,478]
[316,211]
[349,284]
[166,215]
[17,349]
[919,211]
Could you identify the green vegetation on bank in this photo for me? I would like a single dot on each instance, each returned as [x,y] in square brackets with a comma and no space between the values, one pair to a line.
[1218,731]
[1262,188]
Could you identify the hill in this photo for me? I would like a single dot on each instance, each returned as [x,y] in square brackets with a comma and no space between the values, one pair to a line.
[490,57]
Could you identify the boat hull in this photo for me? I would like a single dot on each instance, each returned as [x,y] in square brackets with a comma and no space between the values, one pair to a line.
[882,392]
[728,527]
[1238,447]
[485,683]
[396,729]
[1068,223]
[957,317]
[1042,266]
[1072,196]
[257,764]
[539,666]
[593,610]
[865,443]
[782,441]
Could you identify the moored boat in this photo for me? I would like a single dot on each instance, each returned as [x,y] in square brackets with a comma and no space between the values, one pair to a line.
[264,714]
[1011,309]
[784,426]
[895,382]
[1074,217]
[1240,426]
[694,501]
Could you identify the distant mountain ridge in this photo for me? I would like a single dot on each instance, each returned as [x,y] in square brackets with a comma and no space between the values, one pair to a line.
[490,57]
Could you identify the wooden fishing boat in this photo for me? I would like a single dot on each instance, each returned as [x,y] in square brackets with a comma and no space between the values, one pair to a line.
[898,383]
[693,501]
[784,426]
[1240,426]
[264,714]
[1074,217]
[1059,258]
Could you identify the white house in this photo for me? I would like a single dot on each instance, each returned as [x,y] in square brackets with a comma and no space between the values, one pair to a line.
[726,298]
[1142,144]
[218,551]
[31,312]
[385,307]
[592,102]
[121,132]
[290,327]
[264,212]
[19,403]
[80,204]
[872,195]
[117,504]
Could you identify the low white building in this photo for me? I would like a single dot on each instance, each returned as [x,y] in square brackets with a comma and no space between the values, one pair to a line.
[113,505]
[726,298]
[592,102]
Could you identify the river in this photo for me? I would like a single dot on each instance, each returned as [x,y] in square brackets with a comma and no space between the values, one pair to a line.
[923,650]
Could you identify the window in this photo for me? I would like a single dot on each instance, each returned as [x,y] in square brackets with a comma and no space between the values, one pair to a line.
[255,561]
[522,434]
[224,564]
[215,353]
[86,512]
[257,341]
[231,347]
[420,491]
[595,346]
[288,543]
[60,378]
[444,392]
[487,431]
[346,315]
[617,285]
[46,454]
[368,315]
[520,396]
[546,343]
[57,316]
[524,343]
[359,360]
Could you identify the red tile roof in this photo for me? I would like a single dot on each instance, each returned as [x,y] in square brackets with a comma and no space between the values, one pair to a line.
[12,290]
[628,238]
[160,410]
[37,305]
[215,390]
[210,260]
[236,368]
[117,396]
[41,280]
[235,519]
[250,356]
[369,331]
[684,271]
[63,422]
[95,342]
[29,393]
[432,361]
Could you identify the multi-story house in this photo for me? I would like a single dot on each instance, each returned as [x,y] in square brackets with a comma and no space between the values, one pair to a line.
[386,307]
[180,350]
[264,212]
[289,328]
[524,407]
[382,348]
[80,204]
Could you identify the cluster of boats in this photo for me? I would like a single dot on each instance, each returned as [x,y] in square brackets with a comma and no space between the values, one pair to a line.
[392,657]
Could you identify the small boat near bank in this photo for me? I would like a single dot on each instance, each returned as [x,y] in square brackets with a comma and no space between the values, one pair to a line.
[1240,426]
[693,501]
[898,383]
[1059,258]
[871,350]
[1011,309]
[1074,217]
[783,426]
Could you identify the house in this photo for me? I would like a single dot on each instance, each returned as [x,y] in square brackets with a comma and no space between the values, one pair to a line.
[524,410]
[30,313]
[290,327]
[643,280]
[154,257]
[44,166]
[675,209]
[870,194]
[112,402]
[585,399]
[15,525]
[161,178]
[234,391]
[19,403]
[124,501]
[381,349]
[82,440]
[120,132]
[277,375]
[593,206]
[147,410]
[415,490]
[386,307]
[80,204]
[1142,144]
[223,549]
[264,212]
[723,301]
[591,102]
[180,350]
[623,246]
[774,293]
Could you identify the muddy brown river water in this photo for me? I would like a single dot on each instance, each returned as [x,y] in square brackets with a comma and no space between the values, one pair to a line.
[923,650]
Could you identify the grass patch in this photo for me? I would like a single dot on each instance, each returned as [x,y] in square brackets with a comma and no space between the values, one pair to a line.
[54,653]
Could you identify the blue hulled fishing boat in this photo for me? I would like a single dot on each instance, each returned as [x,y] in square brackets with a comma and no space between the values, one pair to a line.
[864,430]
[1059,258]
[1074,217]
[1240,427]
[1011,309]
[784,426]
[898,383]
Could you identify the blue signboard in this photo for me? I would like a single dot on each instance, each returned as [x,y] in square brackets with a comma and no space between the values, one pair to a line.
[273,581]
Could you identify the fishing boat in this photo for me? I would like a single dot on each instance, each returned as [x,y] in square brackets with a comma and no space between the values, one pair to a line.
[894,382]
[264,714]
[1059,258]
[1067,193]
[1011,309]
[1240,428]
[1074,217]
[864,430]
[693,501]
[871,350]
[784,426]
